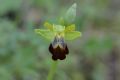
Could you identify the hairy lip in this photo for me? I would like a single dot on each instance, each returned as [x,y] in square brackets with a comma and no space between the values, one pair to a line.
[58,52]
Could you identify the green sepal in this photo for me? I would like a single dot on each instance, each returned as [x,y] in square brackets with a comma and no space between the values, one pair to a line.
[72,35]
[48,34]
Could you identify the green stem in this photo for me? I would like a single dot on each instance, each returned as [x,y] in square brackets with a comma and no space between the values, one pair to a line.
[52,70]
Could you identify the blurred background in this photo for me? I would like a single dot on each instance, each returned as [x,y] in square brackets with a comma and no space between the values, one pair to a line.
[24,55]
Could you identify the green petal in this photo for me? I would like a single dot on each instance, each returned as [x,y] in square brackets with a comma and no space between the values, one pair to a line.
[70,28]
[48,25]
[72,35]
[48,34]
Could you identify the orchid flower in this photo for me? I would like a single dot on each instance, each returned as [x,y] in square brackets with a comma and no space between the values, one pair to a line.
[59,34]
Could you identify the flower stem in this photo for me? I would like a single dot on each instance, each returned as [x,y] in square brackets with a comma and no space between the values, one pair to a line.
[52,70]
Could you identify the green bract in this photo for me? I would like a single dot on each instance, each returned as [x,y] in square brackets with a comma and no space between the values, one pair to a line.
[70,14]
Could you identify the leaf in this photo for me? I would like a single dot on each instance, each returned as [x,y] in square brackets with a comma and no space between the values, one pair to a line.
[71,14]
[48,25]
[70,28]
[46,33]
[72,35]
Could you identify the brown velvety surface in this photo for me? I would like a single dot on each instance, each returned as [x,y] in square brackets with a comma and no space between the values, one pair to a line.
[58,53]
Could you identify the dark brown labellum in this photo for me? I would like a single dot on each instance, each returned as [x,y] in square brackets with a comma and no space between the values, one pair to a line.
[58,53]
[58,49]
